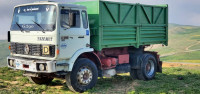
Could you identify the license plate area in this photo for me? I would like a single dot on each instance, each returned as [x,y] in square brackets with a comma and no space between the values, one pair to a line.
[22,64]
[25,66]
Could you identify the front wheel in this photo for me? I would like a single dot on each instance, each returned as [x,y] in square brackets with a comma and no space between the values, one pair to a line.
[84,76]
[148,67]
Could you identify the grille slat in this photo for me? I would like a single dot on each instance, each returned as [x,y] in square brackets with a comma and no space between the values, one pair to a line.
[35,50]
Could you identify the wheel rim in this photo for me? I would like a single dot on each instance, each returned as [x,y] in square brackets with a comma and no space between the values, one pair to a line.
[84,75]
[150,68]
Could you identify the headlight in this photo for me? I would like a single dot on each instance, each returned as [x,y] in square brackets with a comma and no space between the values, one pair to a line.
[11,63]
[41,67]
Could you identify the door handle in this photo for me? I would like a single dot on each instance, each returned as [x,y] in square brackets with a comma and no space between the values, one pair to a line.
[81,37]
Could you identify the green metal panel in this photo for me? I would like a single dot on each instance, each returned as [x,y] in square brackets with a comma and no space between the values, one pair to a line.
[116,24]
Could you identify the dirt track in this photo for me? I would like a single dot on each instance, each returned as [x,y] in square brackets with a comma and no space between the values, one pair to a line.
[187,49]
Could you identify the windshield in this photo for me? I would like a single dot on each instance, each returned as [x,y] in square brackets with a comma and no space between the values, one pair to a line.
[34,18]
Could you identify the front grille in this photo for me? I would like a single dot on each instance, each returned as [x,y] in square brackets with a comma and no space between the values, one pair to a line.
[34,49]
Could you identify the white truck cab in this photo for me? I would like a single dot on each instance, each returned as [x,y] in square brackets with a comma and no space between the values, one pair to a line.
[46,36]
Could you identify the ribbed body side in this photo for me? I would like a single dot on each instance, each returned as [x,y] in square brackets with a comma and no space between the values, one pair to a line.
[114,24]
[118,36]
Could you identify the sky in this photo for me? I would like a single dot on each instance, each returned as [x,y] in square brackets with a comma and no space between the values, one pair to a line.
[184,12]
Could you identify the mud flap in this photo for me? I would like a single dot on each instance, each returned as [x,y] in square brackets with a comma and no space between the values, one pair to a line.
[135,55]
[134,60]
[159,69]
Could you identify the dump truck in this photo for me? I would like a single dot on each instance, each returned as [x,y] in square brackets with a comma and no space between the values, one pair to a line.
[82,41]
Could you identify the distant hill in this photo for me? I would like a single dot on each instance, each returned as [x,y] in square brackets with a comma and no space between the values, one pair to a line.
[184,45]
[4,52]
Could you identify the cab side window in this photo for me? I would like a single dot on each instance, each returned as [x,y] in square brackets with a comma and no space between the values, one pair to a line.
[65,21]
[84,19]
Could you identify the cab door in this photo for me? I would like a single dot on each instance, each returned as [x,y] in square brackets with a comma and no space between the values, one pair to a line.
[73,36]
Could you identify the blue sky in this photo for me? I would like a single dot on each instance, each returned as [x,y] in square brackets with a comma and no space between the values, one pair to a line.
[186,12]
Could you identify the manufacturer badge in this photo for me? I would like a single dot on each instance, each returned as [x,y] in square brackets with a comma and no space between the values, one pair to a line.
[26,49]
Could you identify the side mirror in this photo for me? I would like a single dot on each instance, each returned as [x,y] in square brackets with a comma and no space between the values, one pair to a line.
[8,36]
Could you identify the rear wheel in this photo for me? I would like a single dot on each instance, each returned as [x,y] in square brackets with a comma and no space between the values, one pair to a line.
[148,67]
[83,76]
[40,80]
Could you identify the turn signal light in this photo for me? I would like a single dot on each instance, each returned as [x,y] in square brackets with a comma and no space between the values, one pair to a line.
[57,51]
[9,47]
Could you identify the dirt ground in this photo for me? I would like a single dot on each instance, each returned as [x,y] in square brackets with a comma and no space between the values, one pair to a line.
[165,64]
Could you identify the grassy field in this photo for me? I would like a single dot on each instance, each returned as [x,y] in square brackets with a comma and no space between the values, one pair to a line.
[174,80]
[184,56]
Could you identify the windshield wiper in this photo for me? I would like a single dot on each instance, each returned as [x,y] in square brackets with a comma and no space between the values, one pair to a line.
[39,26]
[20,27]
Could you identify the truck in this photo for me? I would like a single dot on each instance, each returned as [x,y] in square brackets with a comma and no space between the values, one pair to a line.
[82,41]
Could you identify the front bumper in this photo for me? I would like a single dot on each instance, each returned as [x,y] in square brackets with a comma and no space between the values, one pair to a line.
[32,65]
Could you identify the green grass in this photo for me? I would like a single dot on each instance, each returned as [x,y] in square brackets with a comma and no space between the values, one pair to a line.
[183,56]
[9,75]
[196,38]
[166,82]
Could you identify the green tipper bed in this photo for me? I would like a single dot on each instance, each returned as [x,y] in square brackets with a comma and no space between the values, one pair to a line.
[114,24]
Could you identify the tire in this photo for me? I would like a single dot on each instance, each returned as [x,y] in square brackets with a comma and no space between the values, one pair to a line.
[133,74]
[83,76]
[148,67]
[40,80]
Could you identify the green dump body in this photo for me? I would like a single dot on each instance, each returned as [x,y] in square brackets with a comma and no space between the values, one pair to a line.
[114,24]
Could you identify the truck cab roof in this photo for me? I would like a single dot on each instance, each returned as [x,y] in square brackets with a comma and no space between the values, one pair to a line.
[54,3]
